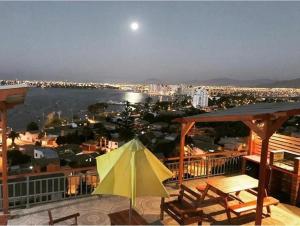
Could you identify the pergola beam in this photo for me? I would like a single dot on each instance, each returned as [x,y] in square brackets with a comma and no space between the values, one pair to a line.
[276,124]
[254,128]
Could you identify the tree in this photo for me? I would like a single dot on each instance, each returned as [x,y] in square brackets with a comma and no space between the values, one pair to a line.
[13,135]
[16,157]
[126,115]
[32,126]
[97,108]
[126,134]
[101,130]
[71,138]
[53,120]
[149,117]
[162,105]
[147,103]
[168,148]
[186,101]
[87,132]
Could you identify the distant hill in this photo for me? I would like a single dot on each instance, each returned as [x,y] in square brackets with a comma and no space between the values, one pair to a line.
[234,82]
[153,81]
[292,83]
[263,83]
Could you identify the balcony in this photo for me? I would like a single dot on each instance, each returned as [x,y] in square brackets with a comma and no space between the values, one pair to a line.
[69,192]
[29,190]
[94,210]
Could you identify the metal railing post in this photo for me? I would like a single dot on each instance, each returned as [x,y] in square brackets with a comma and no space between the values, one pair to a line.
[27,192]
[207,166]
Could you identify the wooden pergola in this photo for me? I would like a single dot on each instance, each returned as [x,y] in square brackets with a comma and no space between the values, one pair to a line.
[263,119]
[10,96]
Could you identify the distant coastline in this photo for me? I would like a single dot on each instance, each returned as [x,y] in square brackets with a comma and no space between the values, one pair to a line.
[60,84]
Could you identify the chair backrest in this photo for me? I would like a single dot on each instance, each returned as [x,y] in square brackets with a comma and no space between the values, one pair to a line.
[189,195]
[50,217]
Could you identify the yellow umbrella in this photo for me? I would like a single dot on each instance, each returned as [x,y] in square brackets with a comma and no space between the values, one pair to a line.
[131,171]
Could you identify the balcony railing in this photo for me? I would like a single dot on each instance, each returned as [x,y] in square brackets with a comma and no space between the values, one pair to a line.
[196,167]
[32,189]
[27,191]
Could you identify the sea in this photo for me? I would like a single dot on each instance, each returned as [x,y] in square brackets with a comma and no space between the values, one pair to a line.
[67,102]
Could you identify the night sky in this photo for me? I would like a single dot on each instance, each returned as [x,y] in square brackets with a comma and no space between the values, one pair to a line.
[176,41]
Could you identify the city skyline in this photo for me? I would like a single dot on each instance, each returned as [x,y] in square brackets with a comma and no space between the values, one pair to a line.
[175,41]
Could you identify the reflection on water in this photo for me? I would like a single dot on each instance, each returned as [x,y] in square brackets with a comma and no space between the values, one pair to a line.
[133,97]
[41,102]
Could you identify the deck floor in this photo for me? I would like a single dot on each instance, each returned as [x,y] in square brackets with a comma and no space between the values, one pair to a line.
[94,211]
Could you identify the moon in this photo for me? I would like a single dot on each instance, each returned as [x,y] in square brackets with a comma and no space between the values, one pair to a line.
[134,26]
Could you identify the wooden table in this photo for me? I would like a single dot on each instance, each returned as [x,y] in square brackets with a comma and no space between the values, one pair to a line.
[224,187]
[122,218]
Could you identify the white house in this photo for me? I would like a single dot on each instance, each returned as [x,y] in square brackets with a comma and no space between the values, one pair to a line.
[45,154]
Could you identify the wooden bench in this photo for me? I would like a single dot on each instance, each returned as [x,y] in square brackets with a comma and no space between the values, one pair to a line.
[248,206]
[185,208]
[57,220]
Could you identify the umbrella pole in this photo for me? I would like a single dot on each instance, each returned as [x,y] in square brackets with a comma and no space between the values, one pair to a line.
[130,211]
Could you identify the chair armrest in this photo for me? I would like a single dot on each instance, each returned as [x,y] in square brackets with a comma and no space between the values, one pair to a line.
[75,215]
[174,195]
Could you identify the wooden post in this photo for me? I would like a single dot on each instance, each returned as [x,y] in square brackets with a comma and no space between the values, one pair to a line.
[250,143]
[130,212]
[4,161]
[262,173]
[181,154]
[185,127]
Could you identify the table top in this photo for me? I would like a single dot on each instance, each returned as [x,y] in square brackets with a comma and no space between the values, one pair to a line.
[233,184]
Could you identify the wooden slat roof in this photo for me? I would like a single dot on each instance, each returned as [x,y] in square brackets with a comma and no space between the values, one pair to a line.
[247,112]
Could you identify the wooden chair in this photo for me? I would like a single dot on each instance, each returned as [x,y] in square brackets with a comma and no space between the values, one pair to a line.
[185,209]
[57,220]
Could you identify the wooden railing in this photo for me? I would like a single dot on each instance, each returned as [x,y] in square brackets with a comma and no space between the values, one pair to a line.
[61,171]
[27,190]
[206,165]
